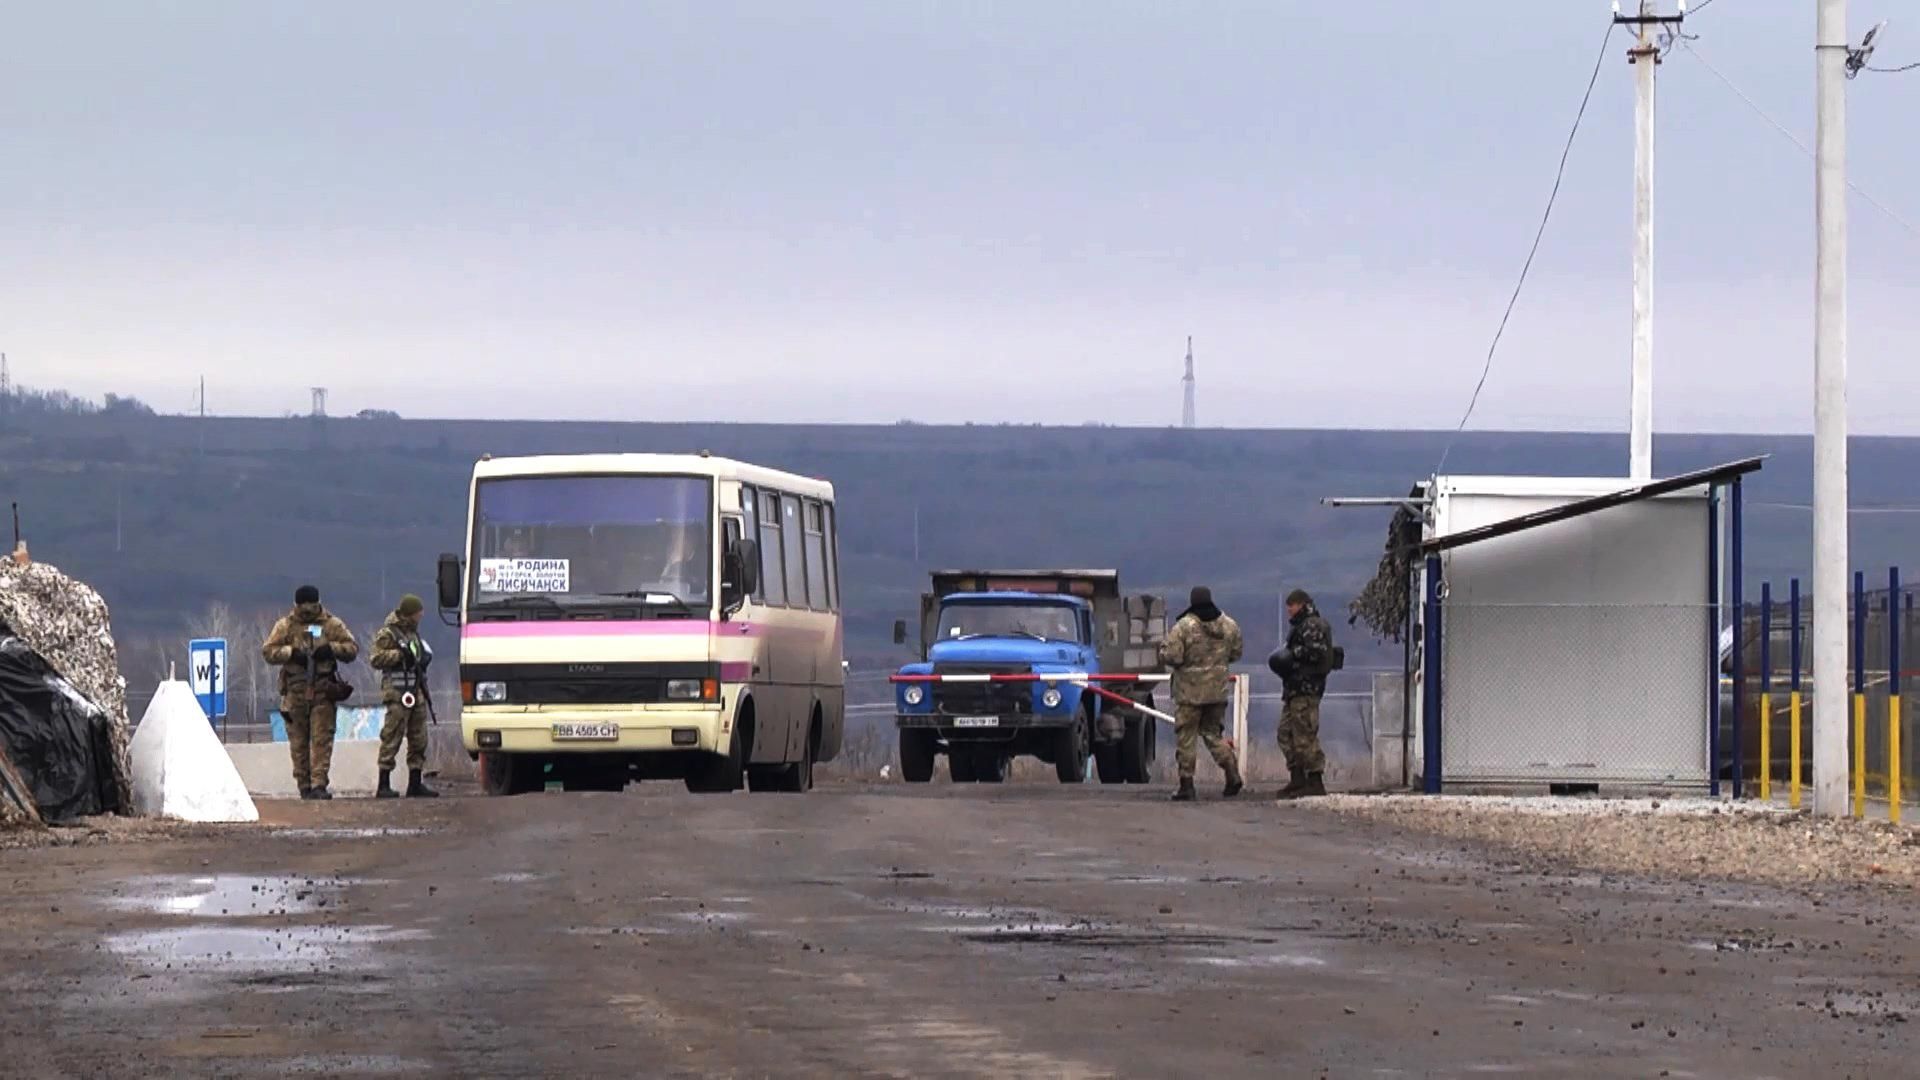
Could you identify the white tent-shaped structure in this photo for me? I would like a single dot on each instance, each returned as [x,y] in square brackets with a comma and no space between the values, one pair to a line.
[180,770]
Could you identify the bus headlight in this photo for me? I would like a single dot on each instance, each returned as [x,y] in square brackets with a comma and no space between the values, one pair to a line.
[914,695]
[490,693]
[1050,697]
[693,690]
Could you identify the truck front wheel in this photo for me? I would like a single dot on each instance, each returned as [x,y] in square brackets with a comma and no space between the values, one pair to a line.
[1136,751]
[1070,751]
[916,754]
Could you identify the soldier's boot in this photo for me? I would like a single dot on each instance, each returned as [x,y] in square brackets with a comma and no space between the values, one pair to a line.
[1315,786]
[320,792]
[417,788]
[1186,792]
[1295,782]
[306,792]
[1234,784]
[385,790]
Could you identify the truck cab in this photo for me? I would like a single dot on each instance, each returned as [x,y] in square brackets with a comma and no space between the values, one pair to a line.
[981,693]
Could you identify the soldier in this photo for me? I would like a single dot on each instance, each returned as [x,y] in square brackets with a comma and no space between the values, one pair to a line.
[1303,664]
[402,658]
[1199,649]
[309,645]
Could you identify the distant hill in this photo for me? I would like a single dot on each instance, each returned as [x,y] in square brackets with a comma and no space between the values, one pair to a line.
[169,514]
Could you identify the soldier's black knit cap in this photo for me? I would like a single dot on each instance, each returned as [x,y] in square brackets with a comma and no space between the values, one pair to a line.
[306,594]
[1200,597]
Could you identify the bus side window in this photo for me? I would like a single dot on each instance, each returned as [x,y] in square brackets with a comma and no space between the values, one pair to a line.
[833,561]
[793,544]
[816,558]
[773,578]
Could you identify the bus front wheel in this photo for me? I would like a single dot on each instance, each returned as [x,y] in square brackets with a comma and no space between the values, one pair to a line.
[511,774]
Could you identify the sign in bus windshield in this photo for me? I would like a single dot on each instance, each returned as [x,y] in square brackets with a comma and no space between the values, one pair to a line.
[585,539]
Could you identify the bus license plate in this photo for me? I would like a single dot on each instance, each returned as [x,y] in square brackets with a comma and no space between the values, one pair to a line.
[602,732]
[976,721]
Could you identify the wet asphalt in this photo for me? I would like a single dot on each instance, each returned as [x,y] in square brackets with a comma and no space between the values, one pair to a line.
[1024,930]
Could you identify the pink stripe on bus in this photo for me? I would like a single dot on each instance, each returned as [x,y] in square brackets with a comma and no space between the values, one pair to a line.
[591,628]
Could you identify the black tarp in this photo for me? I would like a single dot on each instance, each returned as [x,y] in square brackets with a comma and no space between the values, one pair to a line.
[57,741]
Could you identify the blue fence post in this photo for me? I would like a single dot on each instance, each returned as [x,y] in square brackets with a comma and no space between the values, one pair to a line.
[1736,587]
[1713,642]
[1430,697]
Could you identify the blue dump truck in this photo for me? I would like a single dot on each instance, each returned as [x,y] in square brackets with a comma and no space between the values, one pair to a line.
[979,695]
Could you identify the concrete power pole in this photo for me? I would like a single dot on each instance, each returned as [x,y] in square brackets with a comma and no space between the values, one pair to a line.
[1186,411]
[1830,414]
[1645,58]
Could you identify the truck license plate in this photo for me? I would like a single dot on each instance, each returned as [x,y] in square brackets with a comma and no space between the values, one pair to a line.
[604,732]
[976,721]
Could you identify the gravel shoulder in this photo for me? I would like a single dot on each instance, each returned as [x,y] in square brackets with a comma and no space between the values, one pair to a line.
[1657,837]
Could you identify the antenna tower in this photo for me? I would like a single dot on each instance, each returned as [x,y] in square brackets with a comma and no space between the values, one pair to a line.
[1186,411]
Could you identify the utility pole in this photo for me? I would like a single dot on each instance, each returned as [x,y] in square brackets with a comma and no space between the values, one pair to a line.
[1186,412]
[1645,58]
[1830,698]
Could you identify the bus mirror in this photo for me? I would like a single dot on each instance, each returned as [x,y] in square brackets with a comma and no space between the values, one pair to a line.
[449,582]
[899,631]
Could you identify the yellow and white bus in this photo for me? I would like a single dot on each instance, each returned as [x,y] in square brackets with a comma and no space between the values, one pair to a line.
[645,616]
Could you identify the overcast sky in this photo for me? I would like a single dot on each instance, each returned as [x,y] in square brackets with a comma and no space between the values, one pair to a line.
[870,210]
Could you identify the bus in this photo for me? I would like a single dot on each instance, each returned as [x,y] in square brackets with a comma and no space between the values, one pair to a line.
[633,617]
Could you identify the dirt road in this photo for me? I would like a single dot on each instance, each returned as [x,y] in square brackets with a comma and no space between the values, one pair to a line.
[1026,931]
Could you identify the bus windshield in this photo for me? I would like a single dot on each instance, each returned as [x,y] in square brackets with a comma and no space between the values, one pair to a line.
[574,541]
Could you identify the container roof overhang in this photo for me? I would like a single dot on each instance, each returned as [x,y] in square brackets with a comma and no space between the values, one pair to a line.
[1713,477]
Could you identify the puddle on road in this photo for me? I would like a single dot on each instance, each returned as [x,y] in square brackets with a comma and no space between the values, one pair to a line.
[227,895]
[620,931]
[1744,943]
[240,950]
[712,916]
[343,1065]
[1260,960]
[518,877]
[345,833]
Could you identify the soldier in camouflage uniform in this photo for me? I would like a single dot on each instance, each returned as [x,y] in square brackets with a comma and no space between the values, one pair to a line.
[1303,663]
[1198,651]
[402,658]
[309,645]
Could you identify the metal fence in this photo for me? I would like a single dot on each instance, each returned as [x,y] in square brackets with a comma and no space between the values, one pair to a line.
[1776,688]
[1536,693]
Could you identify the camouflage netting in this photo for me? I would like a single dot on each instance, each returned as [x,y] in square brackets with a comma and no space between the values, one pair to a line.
[1382,605]
[67,624]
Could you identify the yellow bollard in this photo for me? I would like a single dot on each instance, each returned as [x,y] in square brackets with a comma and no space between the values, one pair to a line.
[1793,750]
[1859,755]
[1893,758]
[1766,747]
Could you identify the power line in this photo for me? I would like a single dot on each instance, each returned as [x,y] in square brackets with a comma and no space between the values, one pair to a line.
[1795,139]
[1895,71]
[1552,196]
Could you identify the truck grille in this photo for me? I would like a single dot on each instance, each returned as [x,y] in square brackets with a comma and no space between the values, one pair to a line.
[983,699]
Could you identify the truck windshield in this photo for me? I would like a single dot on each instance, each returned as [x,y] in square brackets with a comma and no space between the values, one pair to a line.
[583,540]
[1047,622]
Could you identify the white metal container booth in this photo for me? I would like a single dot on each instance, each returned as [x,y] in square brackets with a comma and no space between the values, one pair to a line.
[1575,622]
